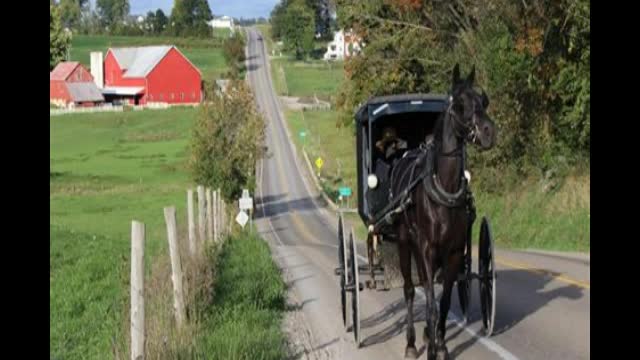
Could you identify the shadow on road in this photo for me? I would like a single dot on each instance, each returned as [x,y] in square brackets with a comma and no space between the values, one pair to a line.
[253,67]
[304,354]
[273,208]
[298,306]
[291,283]
[264,200]
[525,296]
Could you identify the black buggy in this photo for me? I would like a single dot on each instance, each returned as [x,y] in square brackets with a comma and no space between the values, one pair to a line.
[405,121]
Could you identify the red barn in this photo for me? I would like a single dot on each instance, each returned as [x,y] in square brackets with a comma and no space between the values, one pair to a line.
[71,83]
[147,74]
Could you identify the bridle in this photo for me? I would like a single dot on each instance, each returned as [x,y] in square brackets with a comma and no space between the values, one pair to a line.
[464,130]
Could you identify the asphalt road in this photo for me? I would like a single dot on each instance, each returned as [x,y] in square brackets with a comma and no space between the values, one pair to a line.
[543,303]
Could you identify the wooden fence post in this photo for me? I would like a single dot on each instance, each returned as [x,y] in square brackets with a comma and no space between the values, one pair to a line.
[224,216]
[209,216]
[215,216]
[219,213]
[137,290]
[176,266]
[192,223]
[201,214]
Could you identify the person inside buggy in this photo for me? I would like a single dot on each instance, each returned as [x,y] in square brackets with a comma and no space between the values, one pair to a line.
[392,148]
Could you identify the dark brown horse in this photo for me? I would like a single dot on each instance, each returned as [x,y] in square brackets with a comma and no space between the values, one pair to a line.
[434,227]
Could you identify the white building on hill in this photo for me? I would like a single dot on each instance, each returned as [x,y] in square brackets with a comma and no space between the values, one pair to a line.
[223,22]
[344,45]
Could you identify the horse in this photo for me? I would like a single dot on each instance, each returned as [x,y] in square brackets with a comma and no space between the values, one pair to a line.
[434,228]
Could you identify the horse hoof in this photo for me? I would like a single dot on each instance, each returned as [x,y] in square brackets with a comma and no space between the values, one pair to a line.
[371,284]
[411,353]
[443,354]
[431,354]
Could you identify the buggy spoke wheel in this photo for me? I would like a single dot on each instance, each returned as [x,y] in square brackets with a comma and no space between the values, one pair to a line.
[355,295]
[486,270]
[464,285]
[342,261]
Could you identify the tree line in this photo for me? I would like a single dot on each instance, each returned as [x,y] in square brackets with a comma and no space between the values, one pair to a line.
[187,18]
[297,23]
[531,57]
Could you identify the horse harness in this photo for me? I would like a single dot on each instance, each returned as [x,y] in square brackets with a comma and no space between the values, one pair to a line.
[426,154]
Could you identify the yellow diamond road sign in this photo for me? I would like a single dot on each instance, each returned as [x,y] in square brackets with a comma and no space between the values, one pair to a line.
[319,162]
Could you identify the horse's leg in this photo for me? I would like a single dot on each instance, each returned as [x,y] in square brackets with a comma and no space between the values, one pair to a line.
[425,262]
[451,266]
[371,256]
[404,254]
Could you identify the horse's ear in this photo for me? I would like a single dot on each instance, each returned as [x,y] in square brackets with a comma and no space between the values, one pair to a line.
[485,99]
[456,74]
[472,76]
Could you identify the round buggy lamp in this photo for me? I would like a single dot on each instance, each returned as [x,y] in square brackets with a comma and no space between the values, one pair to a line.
[372,181]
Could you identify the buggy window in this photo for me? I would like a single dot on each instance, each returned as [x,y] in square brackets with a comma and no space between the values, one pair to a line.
[410,127]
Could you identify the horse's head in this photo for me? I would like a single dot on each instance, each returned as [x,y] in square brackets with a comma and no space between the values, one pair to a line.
[469,111]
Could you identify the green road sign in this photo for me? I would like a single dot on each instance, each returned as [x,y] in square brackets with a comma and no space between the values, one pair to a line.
[345,191]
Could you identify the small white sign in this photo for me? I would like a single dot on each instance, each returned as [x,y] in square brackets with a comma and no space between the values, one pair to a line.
[245,193]
[246,203]
[242,218]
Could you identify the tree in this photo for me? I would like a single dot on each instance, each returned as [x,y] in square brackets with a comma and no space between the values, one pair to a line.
[149,22]
[227,141]
[322,11]
[532,58]
[277,19]
[59,39]
[189,17]
[112,12]
[70,11]
[233,50]
[298,29]
[160,21]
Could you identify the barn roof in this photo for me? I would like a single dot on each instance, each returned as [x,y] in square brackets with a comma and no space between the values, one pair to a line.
[63,70]
[139,61]
[84,91]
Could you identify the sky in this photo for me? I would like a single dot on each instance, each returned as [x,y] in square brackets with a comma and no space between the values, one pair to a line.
[233,8]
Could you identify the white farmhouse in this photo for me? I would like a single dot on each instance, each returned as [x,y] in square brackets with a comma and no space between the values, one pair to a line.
[343,46]
[224,22]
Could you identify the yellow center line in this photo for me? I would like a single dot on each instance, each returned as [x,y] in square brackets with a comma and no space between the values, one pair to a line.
[553,274]
[296,221]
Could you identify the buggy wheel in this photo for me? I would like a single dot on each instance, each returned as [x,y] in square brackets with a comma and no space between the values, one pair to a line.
[487,273]
[464,286]
[342,261]
[355,295]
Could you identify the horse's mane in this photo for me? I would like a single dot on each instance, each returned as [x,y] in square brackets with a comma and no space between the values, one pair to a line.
[438,128]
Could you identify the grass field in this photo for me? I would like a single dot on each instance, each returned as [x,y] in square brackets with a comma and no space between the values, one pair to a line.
[206,54]
[107,169]
[221,33]
[298,78]
[248,304]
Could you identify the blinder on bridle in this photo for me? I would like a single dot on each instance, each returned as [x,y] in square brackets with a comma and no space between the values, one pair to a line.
[467,130]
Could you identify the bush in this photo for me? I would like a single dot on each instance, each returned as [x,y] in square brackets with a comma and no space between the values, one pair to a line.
[233,51]
[227,140]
